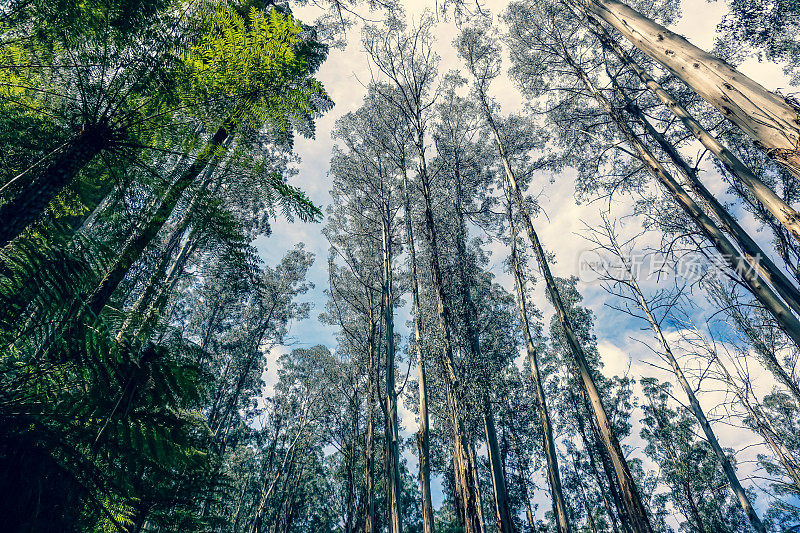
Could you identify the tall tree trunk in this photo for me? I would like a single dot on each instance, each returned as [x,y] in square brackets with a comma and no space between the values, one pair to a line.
[268,488]
[757,258]
[692,514]
[142,236]
[476,481]
[423,435]
[765,295]
[694,404]
[783,212]
[785,288]
[163,292]
[499,487]
[556,493]
[638,516]
[769,119]
[501,506]
[595,445]
[369,452]
[612,517]
[392,437]
[63,165]
[151,289]
[465,474]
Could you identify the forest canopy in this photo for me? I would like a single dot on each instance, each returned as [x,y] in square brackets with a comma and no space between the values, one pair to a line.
[538,269]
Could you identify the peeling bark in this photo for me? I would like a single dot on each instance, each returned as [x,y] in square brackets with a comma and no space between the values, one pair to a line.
[771,120]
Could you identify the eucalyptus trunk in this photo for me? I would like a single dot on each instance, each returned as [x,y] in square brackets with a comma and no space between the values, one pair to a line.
[393,436]
[584,498]
[369,447]
[501,505]
[499,487]
[769,119]
[423,435]
[750,249]
[152,289]
[463,460]
[523,481]
[633,503]
[556,493]
[786,215]
[595,445]
[163,291]
[788,322]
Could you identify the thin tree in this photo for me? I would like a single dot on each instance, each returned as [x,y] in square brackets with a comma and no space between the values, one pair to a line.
[454,133]
[553,476]
[769,119]
[475,52]
[409,62]
[627,286]
[423,434]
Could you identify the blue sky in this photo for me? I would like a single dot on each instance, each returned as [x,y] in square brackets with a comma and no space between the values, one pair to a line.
[622,340]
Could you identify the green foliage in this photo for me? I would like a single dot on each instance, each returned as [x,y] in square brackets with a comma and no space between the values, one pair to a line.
[128,418]
[696,484]
[257,63]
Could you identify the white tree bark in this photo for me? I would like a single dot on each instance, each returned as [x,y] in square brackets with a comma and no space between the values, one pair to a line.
[783,212]
[769,119]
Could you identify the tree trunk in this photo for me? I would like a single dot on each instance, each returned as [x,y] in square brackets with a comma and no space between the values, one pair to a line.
[596,446]
[636,511]
[65,163]
[392,437]
[501,506]
[584,499]
[689,510]
[769,119]
[369,452]
[269,488]
[476,481]
[606,504]
[788,321]
[141,237]
[153,288]
[694,510]
[423,435]
[465,476]
[694,404]
[751,249]
[757,258]
[556,493]
[523,481]
[783,212]
[499,487]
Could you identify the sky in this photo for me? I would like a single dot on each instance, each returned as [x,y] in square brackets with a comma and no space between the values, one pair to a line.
[623,342]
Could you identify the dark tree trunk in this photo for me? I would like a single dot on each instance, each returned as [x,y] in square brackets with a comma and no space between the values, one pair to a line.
[28,204]
[143,236]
